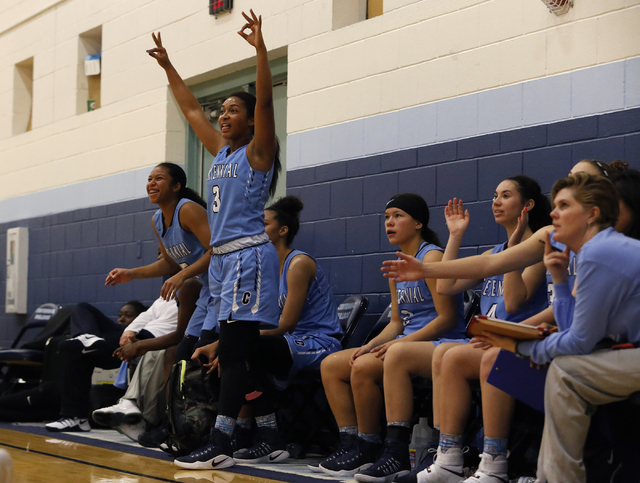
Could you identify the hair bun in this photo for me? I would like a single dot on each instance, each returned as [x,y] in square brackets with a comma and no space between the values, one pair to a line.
[289,204]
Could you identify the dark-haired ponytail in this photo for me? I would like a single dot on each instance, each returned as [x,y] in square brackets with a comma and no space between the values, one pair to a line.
[287,213]
[529,189]
[178,175]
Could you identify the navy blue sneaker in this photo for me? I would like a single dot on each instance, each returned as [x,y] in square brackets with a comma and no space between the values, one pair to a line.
[393,462]
[344,445]
[269,448]
[359,458]
[215,455]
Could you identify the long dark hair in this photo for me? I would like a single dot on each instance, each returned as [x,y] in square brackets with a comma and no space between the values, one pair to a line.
[249,101]
[287,213]
[529,189]
[178,175]
[628,185]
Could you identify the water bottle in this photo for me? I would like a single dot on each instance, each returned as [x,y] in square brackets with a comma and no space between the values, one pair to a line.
[420,438]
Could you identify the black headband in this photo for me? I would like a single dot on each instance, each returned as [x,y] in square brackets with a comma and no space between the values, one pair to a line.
[411,207]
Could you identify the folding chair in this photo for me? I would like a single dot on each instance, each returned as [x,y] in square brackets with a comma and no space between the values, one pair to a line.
[23,365]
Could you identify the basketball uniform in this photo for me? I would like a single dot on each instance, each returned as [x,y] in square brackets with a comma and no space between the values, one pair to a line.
[492,297]
[416,307]
[318,329]
[184,248]
[244,268]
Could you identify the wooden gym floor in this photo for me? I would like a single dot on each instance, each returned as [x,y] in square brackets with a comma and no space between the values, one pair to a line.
[42,459]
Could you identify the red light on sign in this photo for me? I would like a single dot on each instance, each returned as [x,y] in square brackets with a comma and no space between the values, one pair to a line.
[219,6]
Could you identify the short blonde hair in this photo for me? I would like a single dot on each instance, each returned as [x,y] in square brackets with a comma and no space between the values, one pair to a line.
[592,191]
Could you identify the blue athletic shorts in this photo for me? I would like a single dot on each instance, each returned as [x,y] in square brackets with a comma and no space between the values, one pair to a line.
[244,284]
[203,307]
[307,351]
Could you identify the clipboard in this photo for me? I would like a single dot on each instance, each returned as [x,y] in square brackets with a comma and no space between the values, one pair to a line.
[483,323]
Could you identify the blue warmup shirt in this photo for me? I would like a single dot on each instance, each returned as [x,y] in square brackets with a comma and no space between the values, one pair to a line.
[492,297]
[416,307]
[319,314]
[236,195]
[607,302]
[571,270]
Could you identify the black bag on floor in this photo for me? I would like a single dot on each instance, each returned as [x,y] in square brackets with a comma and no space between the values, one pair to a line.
[192,407]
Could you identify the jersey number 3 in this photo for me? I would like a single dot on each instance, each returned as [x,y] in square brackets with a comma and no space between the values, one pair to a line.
[215,205]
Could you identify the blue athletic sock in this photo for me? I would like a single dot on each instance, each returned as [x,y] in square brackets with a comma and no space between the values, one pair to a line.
[369,438]
[495,446]
[225,424]
[352,430]
[267,421]
[448,441]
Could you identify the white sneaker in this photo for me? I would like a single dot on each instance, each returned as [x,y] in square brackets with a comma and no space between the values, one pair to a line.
[132,431]
[68,425]
[448,468]
[125,412]
[490,470]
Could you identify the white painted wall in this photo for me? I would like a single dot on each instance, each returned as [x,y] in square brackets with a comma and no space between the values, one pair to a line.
[418,52]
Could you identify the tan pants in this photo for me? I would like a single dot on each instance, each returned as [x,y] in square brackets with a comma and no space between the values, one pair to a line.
[147,385]
[575,386]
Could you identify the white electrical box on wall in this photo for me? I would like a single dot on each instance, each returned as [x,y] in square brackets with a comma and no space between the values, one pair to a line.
[17,268]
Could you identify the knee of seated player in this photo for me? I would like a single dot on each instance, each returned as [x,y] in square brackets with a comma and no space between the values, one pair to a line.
[396,355]
[460,361]
[366,369]
[488,359]
[335,365]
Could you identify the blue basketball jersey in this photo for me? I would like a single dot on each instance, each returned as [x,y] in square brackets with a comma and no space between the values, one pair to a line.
[236,196]
[571,270]
[182,246]
[492,297]
[416,307]
[319,314]
[185,249]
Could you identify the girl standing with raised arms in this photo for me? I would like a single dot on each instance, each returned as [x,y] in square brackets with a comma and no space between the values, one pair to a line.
[243,272]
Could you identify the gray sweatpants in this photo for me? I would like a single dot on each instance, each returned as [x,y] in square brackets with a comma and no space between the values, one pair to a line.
[147,387]
[575,386]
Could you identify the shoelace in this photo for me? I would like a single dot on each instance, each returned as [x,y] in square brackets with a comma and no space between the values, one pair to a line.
[389,466]
[263,449]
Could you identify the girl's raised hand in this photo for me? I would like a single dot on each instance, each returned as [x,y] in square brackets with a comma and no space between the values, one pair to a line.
[523,223]
[159,53]
[457,217]
[254,24]
[406,269]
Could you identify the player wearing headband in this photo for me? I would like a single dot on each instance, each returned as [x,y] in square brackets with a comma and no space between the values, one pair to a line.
[352,377]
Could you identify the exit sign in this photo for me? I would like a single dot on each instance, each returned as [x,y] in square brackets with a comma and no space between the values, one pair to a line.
[219,6]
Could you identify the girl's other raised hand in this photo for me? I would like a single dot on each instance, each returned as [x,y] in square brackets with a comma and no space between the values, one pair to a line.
[254,24]
[159,53]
